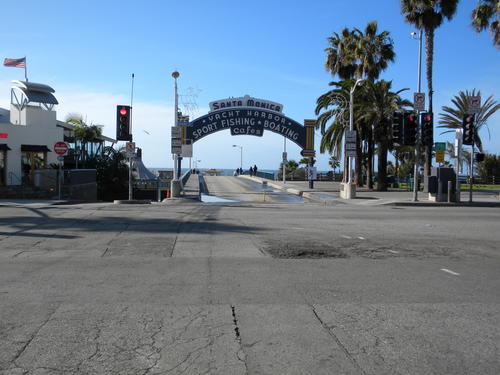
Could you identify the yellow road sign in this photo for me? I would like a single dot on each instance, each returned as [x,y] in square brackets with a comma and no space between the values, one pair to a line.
[439,156]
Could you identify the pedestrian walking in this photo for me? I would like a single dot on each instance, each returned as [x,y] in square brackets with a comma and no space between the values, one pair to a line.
[254,170]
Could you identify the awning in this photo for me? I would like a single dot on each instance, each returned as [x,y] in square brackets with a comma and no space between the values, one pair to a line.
[4,147]
[35,148]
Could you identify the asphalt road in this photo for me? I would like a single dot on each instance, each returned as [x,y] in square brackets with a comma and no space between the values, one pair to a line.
[243,190]
[248,287]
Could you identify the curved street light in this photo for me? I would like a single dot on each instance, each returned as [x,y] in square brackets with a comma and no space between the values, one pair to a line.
[417,145]
[351,122]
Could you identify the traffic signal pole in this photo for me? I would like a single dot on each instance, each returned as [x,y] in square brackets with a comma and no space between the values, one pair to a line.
[471,171]
[417,143]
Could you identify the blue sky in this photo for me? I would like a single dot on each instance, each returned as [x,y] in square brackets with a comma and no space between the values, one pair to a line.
[87,51]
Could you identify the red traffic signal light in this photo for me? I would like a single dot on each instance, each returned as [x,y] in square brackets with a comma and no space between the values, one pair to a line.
[123,122]
[468,129]
[409,129]
[427,128]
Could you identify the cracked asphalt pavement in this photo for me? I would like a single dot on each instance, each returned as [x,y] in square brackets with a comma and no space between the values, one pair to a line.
[248,288]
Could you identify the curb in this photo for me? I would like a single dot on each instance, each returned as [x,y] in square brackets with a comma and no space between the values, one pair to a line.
[444,204]
[133,201]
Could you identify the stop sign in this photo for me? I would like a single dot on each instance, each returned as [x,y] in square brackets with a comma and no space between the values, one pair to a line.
[60,148]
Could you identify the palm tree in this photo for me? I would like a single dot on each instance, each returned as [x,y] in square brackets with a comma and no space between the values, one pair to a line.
[340,59]
[358,54]
[304,161]
[486,14]
[452,116]
[428,15]
[377,108]
[334,162]
[373,52]
[333,122]
[87,135]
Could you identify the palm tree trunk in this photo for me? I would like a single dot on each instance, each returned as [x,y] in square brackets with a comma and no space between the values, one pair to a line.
[382,166]
[429,53]
[396,159]
[369,169]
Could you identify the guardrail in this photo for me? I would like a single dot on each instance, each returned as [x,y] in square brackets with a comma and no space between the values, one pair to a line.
[185,177]
[267,175]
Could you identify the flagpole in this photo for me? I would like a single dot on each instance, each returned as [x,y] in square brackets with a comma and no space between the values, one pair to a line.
[25,69]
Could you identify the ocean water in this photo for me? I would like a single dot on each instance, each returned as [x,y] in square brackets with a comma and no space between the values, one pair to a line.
[224,171]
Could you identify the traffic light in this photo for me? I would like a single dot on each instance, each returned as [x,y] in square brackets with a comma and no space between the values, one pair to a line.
[426,119]
[409,129]
[479,157]
[123,123]
[397,128]
[469,130]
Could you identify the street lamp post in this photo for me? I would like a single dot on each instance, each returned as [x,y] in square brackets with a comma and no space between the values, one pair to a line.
[175,184]
[349,191]
[417,143]
[241,156]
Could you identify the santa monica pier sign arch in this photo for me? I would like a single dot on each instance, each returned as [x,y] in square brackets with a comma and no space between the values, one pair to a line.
[251,116]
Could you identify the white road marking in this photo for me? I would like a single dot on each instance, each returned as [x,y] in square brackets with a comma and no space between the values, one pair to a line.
[450,271]
[393,251]
[348,237]
[362,238]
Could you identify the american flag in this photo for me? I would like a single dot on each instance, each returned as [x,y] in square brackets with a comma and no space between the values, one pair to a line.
[15,63]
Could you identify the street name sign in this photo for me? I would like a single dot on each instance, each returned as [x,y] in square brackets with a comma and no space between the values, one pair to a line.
[440,146]
[176,132]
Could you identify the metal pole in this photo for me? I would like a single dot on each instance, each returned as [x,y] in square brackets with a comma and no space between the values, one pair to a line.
[129,178]
[241,157]
[25,69]
[284,161]
[458,155]
[471,174]
[351,125]
[351,128]
[59,179]
[417,143]
[176,108]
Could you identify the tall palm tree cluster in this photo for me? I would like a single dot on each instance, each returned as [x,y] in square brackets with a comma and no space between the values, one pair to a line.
[355,54]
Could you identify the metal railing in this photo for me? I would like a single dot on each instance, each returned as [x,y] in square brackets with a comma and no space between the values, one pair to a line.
[185,177]
[267,175]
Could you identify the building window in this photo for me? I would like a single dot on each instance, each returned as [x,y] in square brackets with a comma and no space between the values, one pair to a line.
[29,162]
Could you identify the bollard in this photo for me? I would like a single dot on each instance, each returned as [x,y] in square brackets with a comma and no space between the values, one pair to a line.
[440,191]
[449,191]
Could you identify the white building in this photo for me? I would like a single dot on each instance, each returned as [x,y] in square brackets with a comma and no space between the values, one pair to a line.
[29,131]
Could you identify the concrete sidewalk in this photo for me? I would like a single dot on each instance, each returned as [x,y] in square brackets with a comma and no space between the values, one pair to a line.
[328,193]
